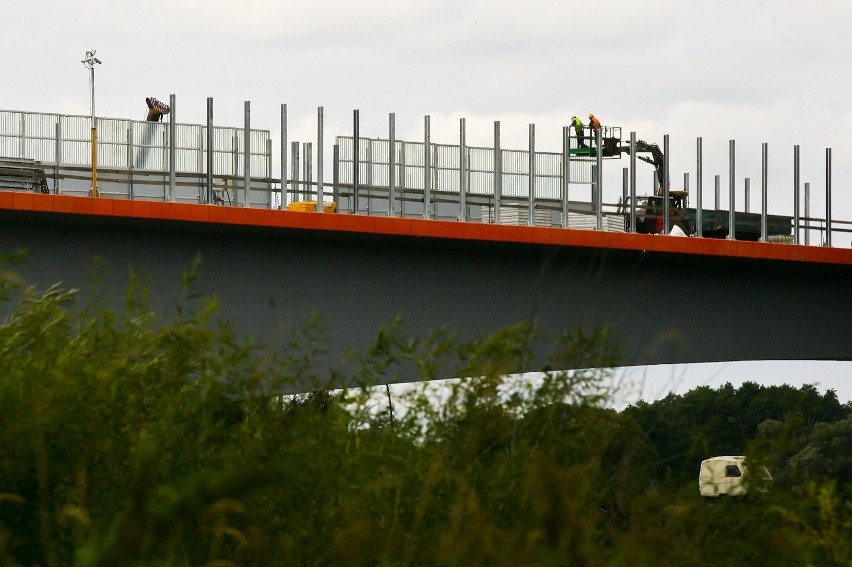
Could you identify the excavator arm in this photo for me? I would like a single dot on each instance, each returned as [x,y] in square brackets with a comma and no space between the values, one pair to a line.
[657,159]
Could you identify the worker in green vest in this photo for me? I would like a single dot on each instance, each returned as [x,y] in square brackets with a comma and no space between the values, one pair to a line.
[578,131]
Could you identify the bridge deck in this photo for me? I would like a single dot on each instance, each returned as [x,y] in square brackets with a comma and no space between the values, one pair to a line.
[665,299]
[192,213]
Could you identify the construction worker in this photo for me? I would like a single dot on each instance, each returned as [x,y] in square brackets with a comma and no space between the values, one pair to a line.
[156,109]
[595,125]
[578,131]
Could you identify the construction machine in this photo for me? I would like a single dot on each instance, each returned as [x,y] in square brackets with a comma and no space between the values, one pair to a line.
[650,210]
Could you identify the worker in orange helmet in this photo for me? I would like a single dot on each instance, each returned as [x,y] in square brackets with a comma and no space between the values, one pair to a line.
[594,125]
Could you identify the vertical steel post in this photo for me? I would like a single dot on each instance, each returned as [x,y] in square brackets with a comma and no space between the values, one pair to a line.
[828,196]
[462,193]
[172,147]
[732,229]
[807,214]
[699,187]
[566,172]
[209,159]
[59,153]
[764,190]
[391,164]
[268,174]
[796,180]
[23,130]
[308,163]
[599,179]
[531,183]
[747,194]
[335,176]
[320,189]
[625,189]
[498,173]
[247,154]
[718,186]
[305,186]
[400,178]
[129,160]
[666,184]
[283,203]
[427,168]
[632,181]
[356,157]
[294,170]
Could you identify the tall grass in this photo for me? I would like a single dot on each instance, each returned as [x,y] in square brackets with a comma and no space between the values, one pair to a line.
[137,438]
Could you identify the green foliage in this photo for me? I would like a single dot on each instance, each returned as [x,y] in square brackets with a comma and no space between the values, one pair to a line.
[134,438]
[705,422]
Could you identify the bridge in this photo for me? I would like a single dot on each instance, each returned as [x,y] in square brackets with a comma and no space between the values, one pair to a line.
[666,299]
[478,248]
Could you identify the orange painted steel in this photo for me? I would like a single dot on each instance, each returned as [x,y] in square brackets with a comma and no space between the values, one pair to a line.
[186,212]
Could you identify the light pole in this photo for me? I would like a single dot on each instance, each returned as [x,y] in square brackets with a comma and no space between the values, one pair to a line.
[89,63]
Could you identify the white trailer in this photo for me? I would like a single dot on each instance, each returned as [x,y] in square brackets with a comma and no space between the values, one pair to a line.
[729,475]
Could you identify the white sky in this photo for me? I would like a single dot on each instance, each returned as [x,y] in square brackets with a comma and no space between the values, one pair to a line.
[755,71]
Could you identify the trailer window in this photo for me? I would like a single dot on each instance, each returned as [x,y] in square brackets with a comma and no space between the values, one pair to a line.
[732,470]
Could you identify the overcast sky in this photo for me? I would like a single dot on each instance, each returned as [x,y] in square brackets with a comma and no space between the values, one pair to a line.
[755,71]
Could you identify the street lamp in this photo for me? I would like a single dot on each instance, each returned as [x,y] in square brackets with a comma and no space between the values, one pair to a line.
[89,63]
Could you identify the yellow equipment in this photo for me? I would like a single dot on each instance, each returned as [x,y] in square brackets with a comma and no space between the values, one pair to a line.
[311,207]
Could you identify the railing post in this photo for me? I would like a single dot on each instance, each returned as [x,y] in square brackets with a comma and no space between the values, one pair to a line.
[732,229]
[130,160]
[625,189]
[462,176]
[211,199]
[796,180]
[356,156]
[498,173]
[666,185]
[400,178]
[566,173]
[294,170]
[633,181]
[598,179]
[307,169]
[172,146]
[320,190]
[427,168]
[764,190]
[747,194]
[807,214]
[391,164]
[247,154]
[828,196]
[283,204]
[699,187]
[717,180]
[335,179]
[531,192]
[57,154]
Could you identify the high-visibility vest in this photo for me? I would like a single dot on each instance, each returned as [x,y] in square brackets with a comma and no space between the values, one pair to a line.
[577,123]
[594,123]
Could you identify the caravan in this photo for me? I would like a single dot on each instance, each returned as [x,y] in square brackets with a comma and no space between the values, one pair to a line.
[730,476]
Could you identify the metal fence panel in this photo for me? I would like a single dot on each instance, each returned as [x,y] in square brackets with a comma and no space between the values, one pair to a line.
[124,143]
[445,171]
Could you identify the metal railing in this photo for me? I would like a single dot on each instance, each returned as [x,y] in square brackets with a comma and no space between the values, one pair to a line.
[133,156]
[469,178]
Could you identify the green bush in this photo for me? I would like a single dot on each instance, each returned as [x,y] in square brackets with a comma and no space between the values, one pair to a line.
[135,438]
